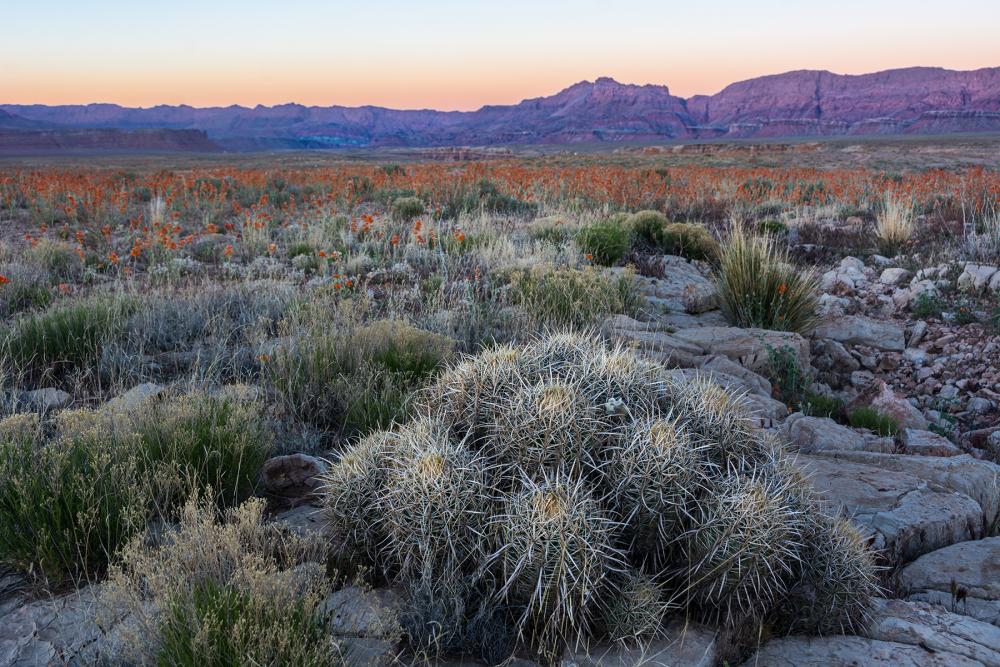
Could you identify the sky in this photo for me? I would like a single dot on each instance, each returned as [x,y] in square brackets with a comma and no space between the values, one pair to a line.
[457,54]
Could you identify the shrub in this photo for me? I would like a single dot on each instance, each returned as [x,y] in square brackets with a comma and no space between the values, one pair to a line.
[228,593]
[605,242]
[23,287]
[790,379]
[405,209]
[758,287]
[927,305]
[67,506]
[565,297]
[354,380]
[647,228]
[552,230]
[485,197]
[60,259]
[575,489]
[689,240]
[893,224]
[873,420]
[197,442]
[67,336]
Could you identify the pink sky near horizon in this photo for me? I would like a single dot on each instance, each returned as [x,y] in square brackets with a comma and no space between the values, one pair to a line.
[446,54]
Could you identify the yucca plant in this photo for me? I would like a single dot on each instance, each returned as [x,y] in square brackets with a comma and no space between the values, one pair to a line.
[759,287]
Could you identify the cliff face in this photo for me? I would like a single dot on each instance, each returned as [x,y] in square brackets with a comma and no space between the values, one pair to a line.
[916,100]
[896,101]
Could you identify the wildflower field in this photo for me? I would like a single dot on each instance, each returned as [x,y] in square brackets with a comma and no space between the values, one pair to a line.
[483,380]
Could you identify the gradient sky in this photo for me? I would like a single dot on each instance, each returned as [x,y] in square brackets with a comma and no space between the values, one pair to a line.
[457,54]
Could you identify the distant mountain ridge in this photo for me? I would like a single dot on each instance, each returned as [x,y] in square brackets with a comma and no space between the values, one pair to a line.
[805,103]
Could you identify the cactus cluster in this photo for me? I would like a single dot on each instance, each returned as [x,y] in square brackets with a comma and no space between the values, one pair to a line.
[586,492]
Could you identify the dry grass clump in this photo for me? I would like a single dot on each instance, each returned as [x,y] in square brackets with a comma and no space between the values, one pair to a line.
[894,224]
[759,287]
[351,379]
[60,260]
[219,593]
[565,490]
[573,298]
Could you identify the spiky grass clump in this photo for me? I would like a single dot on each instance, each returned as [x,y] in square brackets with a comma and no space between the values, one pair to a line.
[197,441]
[893,224]
[759,287]
[67,505]
[563,483]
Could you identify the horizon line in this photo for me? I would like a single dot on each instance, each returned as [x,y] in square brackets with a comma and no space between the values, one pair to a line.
[485,106]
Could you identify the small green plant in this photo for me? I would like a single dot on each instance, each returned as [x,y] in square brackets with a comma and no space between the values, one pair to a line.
[604,242]
[221,626]
[927,305]
[817,405]
[197,442]
[67,336]
[647,228]
[565,297]
[759,287]
[67,506]
[689,240]
[873,420]
[772,226]
[993,321]
[791,381]
[965,311]
[405,209]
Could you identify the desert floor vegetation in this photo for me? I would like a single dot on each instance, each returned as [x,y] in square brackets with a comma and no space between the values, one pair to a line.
[282,412]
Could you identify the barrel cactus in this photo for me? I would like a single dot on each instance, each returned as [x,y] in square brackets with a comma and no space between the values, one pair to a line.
[580,491]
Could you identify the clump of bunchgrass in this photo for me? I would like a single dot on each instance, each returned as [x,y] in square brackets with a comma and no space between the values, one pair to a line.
[196,441]
[894,224]
[353,379]
[67,336]
[759,287]
[605,243]
[405,209]
[573,298]
[231,592]
[69,503]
